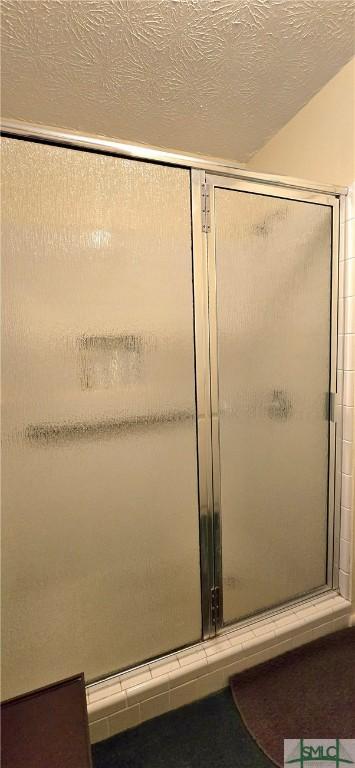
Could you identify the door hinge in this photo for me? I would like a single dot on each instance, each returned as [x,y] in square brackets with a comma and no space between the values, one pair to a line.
[215,605]
[333,402]
[205,208]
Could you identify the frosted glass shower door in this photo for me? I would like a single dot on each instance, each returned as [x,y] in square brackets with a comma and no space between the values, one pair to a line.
[100,513]
[273,294]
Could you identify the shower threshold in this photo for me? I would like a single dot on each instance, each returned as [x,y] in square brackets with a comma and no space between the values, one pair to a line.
[124,700]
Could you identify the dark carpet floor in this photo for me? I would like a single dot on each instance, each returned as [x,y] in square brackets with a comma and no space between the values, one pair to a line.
[206,734]
[308,692]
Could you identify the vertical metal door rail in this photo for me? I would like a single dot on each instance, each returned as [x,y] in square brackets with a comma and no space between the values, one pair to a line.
[203,397]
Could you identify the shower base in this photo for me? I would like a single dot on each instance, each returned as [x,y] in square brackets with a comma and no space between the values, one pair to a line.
[131,697]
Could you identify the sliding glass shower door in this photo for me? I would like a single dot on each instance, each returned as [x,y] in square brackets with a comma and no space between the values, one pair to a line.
[124,499]
[101,564]
[271,263]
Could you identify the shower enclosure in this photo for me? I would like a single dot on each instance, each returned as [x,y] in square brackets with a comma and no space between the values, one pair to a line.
[169,383]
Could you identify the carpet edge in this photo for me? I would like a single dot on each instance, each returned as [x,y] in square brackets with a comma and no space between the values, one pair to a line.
[278,765]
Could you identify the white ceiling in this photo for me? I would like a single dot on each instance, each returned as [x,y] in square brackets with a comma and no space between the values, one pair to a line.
[218,77]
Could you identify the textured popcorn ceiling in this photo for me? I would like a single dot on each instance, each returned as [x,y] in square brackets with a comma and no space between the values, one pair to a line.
[213,76]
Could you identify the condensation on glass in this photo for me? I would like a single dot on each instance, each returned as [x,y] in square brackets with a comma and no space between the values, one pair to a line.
[100,515]
[273,267]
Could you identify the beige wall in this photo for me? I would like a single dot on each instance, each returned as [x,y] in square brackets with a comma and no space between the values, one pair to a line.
[318,144]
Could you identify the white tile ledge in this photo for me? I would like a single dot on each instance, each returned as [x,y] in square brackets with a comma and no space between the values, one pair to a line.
[175,680]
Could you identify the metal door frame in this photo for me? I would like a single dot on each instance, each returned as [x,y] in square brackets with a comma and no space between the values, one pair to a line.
[335,396]
[229,175]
